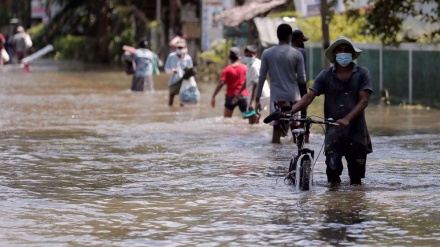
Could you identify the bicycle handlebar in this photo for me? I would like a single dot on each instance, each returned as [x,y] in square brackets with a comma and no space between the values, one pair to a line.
[306,120]
[288,117]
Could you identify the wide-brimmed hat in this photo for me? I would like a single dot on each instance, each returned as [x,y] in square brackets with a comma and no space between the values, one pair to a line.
[339,41]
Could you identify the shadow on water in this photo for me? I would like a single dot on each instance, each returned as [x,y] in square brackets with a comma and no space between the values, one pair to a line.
[87,162]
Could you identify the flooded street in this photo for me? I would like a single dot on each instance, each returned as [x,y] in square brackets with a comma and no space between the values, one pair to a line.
[86,162]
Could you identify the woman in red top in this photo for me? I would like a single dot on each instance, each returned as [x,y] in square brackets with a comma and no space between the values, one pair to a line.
[234,76]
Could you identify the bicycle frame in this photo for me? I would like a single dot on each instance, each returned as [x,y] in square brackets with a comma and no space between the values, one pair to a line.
[303,161]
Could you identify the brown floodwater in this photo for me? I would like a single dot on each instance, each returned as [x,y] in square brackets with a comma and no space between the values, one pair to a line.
[87,162]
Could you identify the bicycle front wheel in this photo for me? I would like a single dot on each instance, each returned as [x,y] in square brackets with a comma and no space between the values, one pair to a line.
[305,173]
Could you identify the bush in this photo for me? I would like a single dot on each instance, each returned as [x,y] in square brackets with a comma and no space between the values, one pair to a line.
[75,48]
[125,38]
[36,32]
[211,62]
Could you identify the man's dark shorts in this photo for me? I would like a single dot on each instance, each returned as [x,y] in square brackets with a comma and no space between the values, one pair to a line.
[241,103]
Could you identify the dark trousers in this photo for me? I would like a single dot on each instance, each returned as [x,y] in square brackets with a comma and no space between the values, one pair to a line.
[355,164]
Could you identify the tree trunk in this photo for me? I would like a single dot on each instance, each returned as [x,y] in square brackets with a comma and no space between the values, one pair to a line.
[325,19]
[102,33]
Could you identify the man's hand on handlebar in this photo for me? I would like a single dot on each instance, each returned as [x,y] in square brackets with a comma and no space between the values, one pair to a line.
[342,123]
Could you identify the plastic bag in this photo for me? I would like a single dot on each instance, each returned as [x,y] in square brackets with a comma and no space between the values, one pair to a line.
[27,41]
[189,92]
[5,55]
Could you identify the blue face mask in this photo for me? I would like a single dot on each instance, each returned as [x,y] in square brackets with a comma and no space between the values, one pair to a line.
[179,51]
[248,60]
[344,59]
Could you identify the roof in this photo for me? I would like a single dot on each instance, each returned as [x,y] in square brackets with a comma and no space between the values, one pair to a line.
[232,17]
[267,30]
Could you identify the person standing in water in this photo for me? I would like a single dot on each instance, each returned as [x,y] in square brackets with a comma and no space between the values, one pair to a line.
[176,64]
[347,88]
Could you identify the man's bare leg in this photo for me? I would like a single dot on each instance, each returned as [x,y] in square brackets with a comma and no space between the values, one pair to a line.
[253,120]
[171,100]
[276,136]
[227,113]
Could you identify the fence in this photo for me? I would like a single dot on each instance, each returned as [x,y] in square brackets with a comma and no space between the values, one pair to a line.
[410,73]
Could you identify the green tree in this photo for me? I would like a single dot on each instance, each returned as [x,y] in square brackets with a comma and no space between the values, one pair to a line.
[19,9]
[385,19]
[102,24]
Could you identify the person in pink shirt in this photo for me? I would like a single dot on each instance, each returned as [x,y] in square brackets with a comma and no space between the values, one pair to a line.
[234,76]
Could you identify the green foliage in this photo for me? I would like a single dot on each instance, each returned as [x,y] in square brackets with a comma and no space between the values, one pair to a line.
[36,30]
[340,24]
[383,22]
[218,53]
[152,24]
[213,60]
[36,33]
[75,48]
[125,38]
[386,20]
[106,25]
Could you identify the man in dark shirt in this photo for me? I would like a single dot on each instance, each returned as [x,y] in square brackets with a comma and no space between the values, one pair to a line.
[347,88]
[298,40]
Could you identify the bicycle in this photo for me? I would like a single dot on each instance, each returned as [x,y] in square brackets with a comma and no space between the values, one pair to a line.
[301,176]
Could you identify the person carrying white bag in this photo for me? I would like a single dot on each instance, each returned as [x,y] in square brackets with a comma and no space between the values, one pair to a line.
[21,42]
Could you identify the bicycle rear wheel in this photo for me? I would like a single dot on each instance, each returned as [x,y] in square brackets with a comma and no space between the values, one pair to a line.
[305,173]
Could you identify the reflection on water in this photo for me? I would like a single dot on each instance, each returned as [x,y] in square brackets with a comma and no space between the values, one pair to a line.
[87,162]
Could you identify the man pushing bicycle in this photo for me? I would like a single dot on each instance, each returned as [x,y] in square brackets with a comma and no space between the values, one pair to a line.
[346,88]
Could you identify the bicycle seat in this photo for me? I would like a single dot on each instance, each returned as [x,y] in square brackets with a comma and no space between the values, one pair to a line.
[297,131]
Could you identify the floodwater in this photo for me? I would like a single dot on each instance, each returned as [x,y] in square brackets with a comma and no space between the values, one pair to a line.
[86,162]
